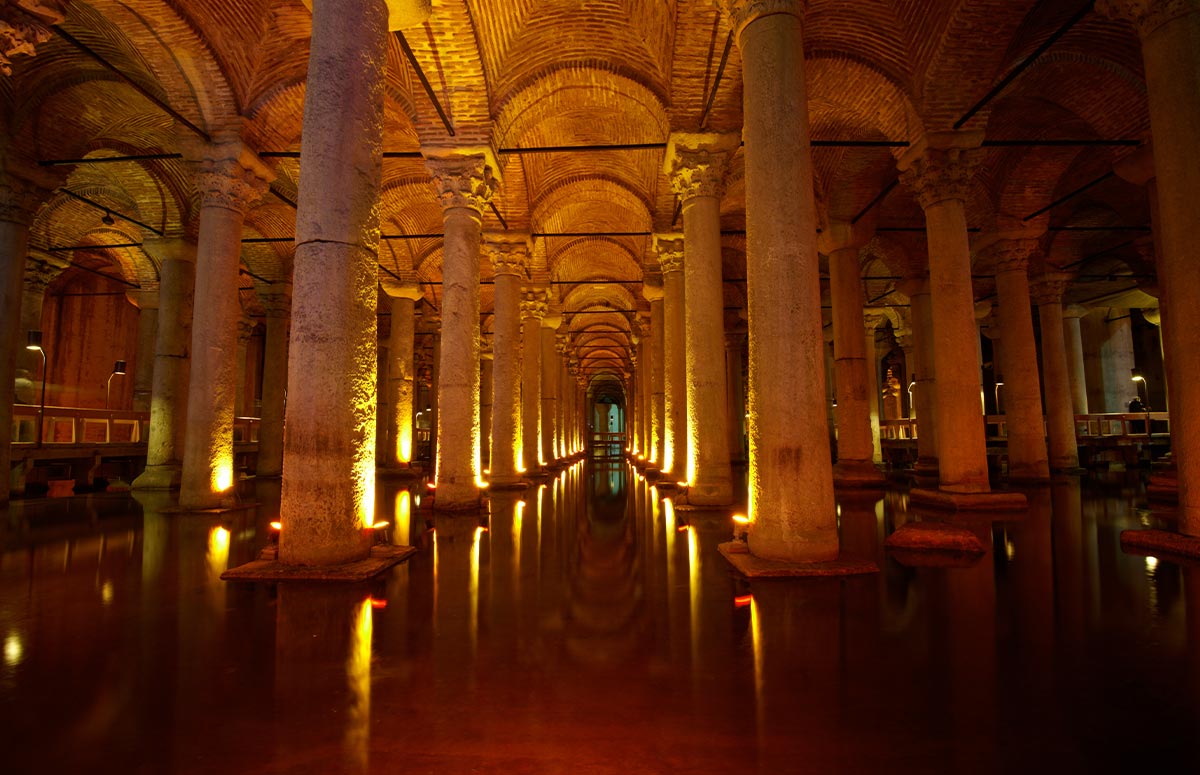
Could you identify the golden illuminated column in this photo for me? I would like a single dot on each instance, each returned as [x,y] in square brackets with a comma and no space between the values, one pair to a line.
[939,170]
[1060,416]
[735,348]
[872,320]
[1076,368]
[1027,457]
[1170,35]
[641,342]
[534,303]
[465,182]
[652,290]
[550,324]
[176,259]
[669,249]
[403,293]
[696,166]
[146,300]
[509,254]
[790,475]
[564,393]
[328,495]
[230,180]
[854,359]
[922,373]
[487,389]
[277,303]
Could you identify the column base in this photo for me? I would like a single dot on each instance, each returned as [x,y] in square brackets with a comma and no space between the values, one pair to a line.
[857,474]
[159,477]
[268,568]
[508,483]
[968,501]
[739,556]
[1164,486]
[934,537]
[1161,542]
[710,494]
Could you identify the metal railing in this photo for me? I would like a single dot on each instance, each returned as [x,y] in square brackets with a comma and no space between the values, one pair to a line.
[66,425]
[1106,427]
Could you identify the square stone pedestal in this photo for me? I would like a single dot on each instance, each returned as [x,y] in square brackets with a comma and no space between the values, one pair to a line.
[268,568]
[1175,546]
[759,568]
[968,501]
[934,544]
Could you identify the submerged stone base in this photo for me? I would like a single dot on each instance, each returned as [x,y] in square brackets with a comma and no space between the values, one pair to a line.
[934,544]
[757,567]
[518,484]
[268,568]
[863,476]
[968,501]
[216,510]
[1160,542]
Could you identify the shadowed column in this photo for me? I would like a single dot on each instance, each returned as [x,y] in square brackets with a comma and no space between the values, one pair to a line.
[669,248]
[277,302]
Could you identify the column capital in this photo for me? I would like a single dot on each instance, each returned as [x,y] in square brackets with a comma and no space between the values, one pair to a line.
[39,275]
[143,298]
[941,166]
[169,248]
[406,285]
[872,318]
[1049,288]
[534,302]
[486,351]
[553,317]
[23,25]
[1153,315]
[1075,311]
[842,235]
[742,12]
[464,177]
[508,251]
[19,199]
[669,249]
[652,284]
[1147,15]
[562,343]
[695,162]
[277,300]
[914,286]
[232,177]
[1011,255]
[245,329]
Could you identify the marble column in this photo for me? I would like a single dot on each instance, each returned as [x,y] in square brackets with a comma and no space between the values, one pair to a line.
[328,497]
[1060,416]
[487,389]
[465,182]
[1169,31]
[791,476]
[277,303]
[923,374]
[872,320]
[854,360]
[670,252]
[695,164]
[939,169]
[549,427]
[231,179]
[533,309]
[652,290]
[509,254]
[1027,456]
[1076,368]
[735,348]
[146,301]
[403,294]
[176,260]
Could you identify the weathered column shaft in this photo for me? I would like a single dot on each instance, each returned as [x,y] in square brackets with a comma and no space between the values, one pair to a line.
[871,375]
[244,401]
[533,309]
[1060,417]
[147,336]
[278,305]
[675,438]
[509,258]
[401,397]
[790,476]
[487,389]
[653,291]
[736,397]
[549,378]
[924,393]
[329,450]
[850,358]
[1117,360]
[231,179]
[1076,369]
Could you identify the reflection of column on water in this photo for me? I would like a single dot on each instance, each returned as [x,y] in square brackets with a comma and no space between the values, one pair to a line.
[861,524]
[1070,590]
[1191,590]
[319,627]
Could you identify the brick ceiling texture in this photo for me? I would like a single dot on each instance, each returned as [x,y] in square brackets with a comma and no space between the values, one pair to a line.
[522,74]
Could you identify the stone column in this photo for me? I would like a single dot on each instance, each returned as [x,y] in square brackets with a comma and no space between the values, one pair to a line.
[231,179]
[1060,416]
[872,319]
[435,360]
[244,401]
[172,363]
[1169,30]
[1027,458]
[696,166]
[509,254]
[923,376]
[790,476]
[1076,368]
[487,389]
[550,324]
[669,248]
[564,394]
[735,348]
[1117,361]
[533,309]
[38,276]
[146,300]
[277,302]
[939,170]
[854,360]
[403,294]
[465,183]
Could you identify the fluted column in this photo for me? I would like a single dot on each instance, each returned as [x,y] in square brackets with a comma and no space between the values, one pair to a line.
[696,166]
[277,302]
[669,248]
[1060,416]
[231,179]
[509,254]
[403,294]
[465,183]
[1076,368]
[176,259]
[652,290]
[146,300]
[549,426]
[939,170]
[790,476]
[533,309]
[1027,457]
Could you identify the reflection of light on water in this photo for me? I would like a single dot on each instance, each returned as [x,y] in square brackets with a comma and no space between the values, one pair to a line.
[14,650]
[473,620]
[1151,563]
[106,593]
[218,550]
[518,521]
[358,679]
[1010,549]
[756,639]
[403,517]
[694,594]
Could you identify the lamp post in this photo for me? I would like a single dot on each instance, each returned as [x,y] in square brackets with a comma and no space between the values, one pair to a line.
[1137,376]
[999,384]
[118,368]
[33,341]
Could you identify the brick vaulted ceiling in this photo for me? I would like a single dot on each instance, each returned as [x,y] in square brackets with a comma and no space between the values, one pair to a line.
[524,74]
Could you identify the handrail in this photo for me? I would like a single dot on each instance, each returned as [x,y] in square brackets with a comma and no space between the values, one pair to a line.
[64,425]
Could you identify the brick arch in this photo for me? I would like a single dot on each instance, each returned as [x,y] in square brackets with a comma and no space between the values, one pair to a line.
[587,296]
[593,258]
[599,202]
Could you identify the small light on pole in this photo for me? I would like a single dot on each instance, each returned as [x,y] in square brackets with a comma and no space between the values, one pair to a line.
[33,341]
[1137,376]
[118,368]
[999,384]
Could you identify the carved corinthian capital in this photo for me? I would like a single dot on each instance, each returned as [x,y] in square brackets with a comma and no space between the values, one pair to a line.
[669,248]
[696,163]
[19,199]
[1147,15]
[1011,255]
[231,177]
[463,180]
[1049,288]
[23,25]
[508,252]
[534,303]
[937,174]
[742,12]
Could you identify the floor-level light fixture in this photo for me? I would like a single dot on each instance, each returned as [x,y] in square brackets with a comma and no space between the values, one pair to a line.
[33,341]
[118,368]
